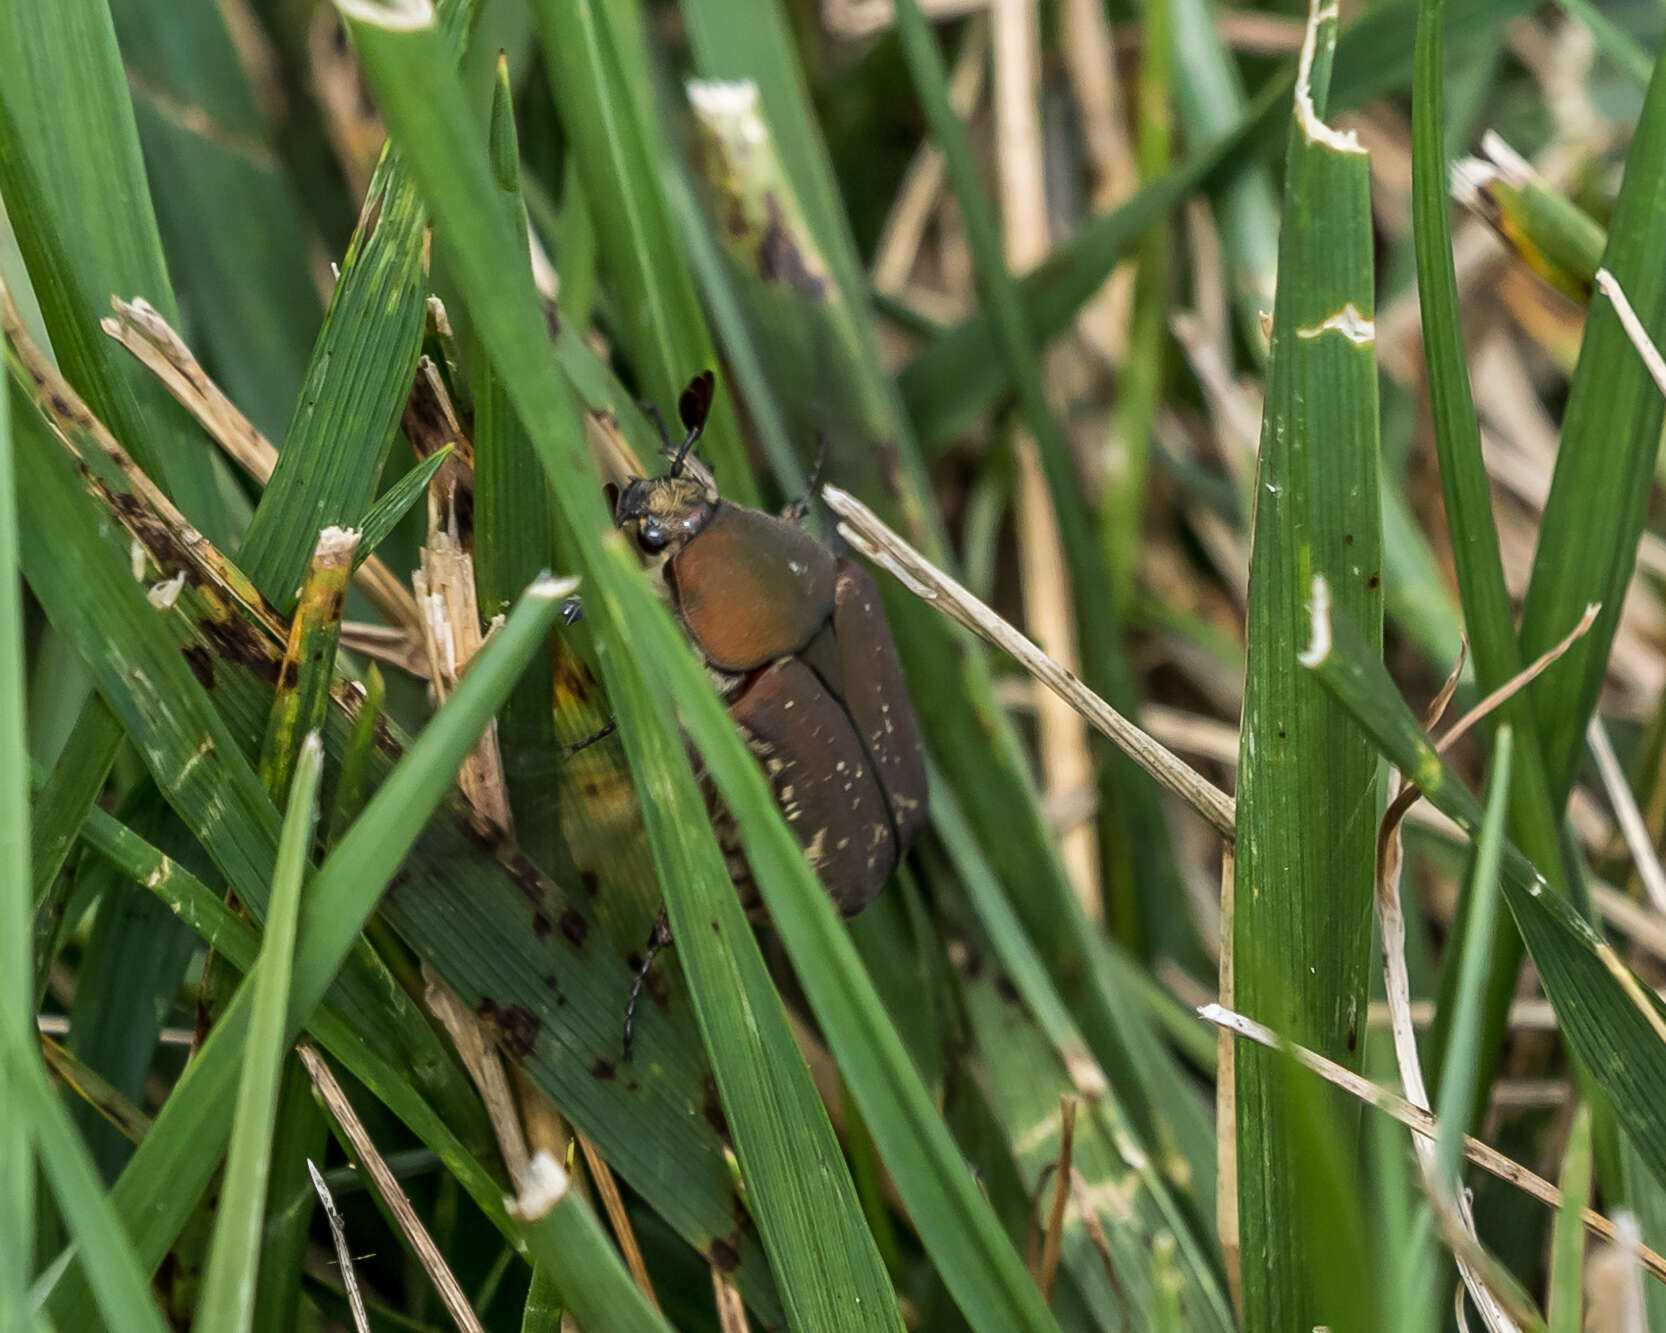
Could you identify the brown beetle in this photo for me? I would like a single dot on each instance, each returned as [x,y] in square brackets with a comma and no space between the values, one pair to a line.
[794,637]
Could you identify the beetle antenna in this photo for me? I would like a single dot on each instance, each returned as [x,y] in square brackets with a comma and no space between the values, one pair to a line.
[693,407]
[658,939]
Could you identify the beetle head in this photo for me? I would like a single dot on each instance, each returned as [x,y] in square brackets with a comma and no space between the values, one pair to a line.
[663,513]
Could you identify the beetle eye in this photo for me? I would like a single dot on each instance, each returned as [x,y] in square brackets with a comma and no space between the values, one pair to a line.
[651,537]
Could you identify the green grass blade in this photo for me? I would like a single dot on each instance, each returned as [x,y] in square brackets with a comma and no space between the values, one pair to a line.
[113,1270]
[1467,491]
[68,148]
[136,959]
[18,901]
[1567,1249]
[395,502]
[1610,437]
[567,1243]
[599,82]
[229,222]
[514,538]
[74,784]
[227,1300]
[357,381]
[1307,776]
[956,1225]
[1459,1075]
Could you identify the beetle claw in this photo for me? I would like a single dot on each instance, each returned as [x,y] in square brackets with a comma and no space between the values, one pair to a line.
[658,939]
[648,410]
[799,509]
[611,726]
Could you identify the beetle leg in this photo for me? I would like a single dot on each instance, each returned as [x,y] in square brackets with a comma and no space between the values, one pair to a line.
[799,509]
[653,414]
[611,726]
[658,939]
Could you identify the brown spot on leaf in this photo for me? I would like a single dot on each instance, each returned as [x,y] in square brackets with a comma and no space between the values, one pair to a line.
[724,1256]
[603,1069]
[575,928]
[781,260]
[201,662]
[541,926]
[711,1106]
[515,1026]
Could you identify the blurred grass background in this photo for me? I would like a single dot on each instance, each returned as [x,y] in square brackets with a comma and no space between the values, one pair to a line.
[1265,367]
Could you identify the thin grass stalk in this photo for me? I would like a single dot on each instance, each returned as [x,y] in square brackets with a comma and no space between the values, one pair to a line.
[1467,492]
[514,539]
[1606,460]
[227,1300]
[1567,1246]
[17,905]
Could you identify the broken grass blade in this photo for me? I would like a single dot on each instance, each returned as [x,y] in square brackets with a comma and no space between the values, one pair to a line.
[227,1300]
[567,1242]
[303,688]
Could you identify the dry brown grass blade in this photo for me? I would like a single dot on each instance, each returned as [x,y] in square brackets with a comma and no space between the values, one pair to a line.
[1062,1173]
[731,1309]
[387,1185]
[1639,842]
[139,328]
[1101,1243]
[922,185]
[75,426]
[862,528]
[344,1252]
[614,1206]
[1421,1123]
[485,1068]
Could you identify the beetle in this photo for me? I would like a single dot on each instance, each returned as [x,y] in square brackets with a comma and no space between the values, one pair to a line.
[795,640]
